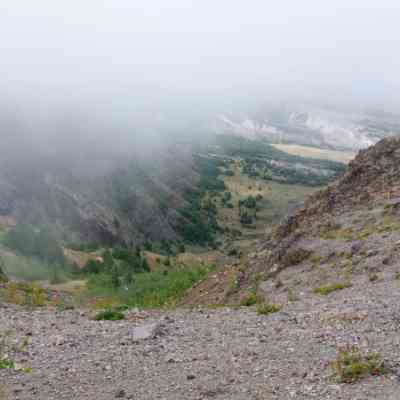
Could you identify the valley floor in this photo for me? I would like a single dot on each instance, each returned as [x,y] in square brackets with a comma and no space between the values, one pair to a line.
[223,353]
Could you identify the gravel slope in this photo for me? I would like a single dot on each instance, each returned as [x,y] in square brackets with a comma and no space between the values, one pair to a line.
[220,354]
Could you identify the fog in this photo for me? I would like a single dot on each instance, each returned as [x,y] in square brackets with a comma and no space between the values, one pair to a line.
[138,68]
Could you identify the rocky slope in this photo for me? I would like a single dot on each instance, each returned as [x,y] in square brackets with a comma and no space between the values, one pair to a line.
[359,210]
[231,354]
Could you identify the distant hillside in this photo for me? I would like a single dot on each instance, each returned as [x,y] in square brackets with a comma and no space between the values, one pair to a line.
[122,201]
[309,125]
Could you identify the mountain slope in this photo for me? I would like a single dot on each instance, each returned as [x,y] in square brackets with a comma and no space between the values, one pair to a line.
[347,232]
[118,202]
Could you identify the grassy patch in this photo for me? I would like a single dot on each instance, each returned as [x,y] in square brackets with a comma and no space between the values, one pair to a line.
[152,289]
[268,308]
[352,365]
[25,294]
[109,315]
[6,363]
[327,289]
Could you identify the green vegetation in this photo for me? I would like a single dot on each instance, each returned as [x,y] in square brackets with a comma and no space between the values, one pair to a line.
[25,294]
[352,365]
[327,289]
[198,223]
[109,315]
[6,363]
[249,300]
[149,289]
[268,308]
[260,159]
[8,345]
[3,276]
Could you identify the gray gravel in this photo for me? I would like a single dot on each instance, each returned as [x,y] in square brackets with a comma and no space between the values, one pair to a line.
[208,354]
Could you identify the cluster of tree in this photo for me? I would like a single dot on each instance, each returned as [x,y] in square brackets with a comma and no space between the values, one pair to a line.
[209,170]
[198,223]
[287,173]
[248,210]
[226,200]
[258,152]
[119,266]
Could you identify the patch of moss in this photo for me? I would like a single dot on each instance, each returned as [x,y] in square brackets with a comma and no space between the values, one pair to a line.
[327,289]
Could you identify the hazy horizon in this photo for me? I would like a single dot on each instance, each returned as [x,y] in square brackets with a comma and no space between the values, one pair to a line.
[154,66]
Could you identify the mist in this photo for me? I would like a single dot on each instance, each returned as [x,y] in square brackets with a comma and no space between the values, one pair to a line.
[104,69]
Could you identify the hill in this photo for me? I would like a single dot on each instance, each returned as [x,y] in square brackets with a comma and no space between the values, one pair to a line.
[315,314]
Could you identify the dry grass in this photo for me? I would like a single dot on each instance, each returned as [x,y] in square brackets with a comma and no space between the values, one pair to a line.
[275,202]
[314,152]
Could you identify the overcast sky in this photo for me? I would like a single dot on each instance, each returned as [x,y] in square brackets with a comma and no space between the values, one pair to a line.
[197,46]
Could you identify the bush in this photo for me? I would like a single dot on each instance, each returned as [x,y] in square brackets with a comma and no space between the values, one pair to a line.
[266,308]
[92,267]
[246,219]
[352,365]
[249,300]
[327,289]
[3,276]
[109,315]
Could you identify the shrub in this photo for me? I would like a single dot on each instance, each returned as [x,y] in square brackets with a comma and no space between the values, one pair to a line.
[267,308]
[6,363]
[3,276]
[327,289]
[250,202]
[92,267]
[246,219]
[352,365]
[249,300]
[296,257]
[373,277]
[109,315]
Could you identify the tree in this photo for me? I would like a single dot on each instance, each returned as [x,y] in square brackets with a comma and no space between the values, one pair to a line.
[145,265]
[3,276]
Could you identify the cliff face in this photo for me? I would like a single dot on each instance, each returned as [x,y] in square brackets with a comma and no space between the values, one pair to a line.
[118,202]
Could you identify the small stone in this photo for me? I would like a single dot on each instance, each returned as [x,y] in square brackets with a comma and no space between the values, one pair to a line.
[120,394]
